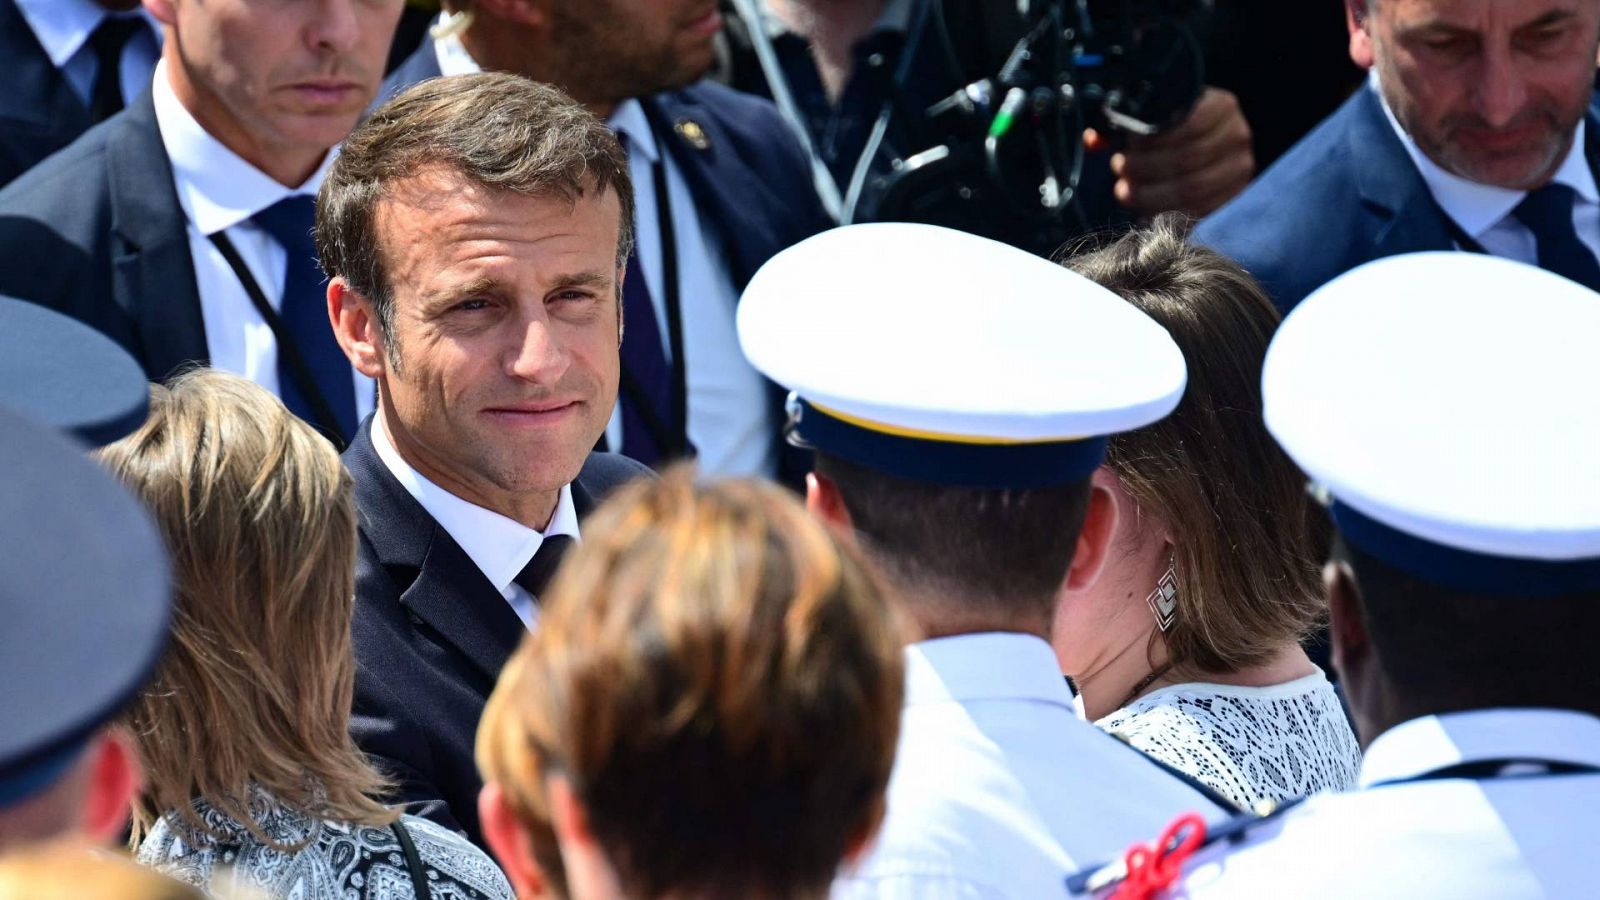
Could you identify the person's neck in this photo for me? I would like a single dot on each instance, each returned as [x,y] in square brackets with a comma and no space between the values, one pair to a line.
[833,28]
[285,162]
[500,46]
[1123,678]
[533,509]
[938,614]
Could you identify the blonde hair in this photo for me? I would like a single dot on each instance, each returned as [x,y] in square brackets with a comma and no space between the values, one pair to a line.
[256,685]
[719,678]
[74,872]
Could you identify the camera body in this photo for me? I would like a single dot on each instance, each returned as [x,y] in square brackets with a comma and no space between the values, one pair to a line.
[1003,154]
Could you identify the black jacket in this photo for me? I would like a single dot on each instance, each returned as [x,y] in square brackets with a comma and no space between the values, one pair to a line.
[431,634]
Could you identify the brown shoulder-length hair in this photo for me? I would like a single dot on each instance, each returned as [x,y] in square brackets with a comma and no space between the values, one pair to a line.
[719,678]
[256,684]
[1242,524]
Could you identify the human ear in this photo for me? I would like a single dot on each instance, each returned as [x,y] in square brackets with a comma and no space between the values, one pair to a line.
[1358,20]
[114,779]
[506,838]
[1099,529]
[355,326]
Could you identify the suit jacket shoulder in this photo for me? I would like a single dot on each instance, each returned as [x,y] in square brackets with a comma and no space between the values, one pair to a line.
[422,64]
[107,241]
[603,473]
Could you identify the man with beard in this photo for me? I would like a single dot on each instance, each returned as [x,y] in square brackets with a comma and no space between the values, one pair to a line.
[722,185]
[1477,133]
[181,229]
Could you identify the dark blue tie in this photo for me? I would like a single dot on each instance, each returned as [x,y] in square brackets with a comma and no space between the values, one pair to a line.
[304,311]
[645,363]
[1548,214]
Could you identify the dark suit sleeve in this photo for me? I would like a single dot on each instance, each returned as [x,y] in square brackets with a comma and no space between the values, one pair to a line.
[397,747]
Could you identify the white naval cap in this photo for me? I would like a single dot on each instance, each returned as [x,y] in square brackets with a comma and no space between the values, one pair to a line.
[1450,404]
[940,356]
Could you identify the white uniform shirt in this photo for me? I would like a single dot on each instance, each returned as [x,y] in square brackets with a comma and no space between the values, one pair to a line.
[999,789]
[730,412]
[1502,838]
[63,28]
[497,545]
[1483,211]
[219,191]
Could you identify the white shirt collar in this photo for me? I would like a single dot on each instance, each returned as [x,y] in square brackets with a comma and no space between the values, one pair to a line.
[1479,207]
[1434,742]
[499,546]
[217,188]
[452,55]
[629,122]
[996,665]
[64,26]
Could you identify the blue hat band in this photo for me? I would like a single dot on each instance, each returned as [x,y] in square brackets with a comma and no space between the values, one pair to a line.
[994,466]
[18,783]
[1465,570]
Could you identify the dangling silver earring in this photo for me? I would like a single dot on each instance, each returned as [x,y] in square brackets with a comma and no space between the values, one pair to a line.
[1164,599]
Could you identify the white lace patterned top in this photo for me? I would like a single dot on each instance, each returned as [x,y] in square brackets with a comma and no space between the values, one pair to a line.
[1247,743]
[340,861]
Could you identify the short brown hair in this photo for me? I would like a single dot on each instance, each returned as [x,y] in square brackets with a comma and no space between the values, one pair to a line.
[497,130]
[66,871]
[256,684]
[719,679]
[997,552]
[1244,550]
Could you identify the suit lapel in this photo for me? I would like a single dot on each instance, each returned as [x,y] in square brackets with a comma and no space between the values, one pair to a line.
[36,92]
[744,212]
[152,269]
[438,582]
[1403,216]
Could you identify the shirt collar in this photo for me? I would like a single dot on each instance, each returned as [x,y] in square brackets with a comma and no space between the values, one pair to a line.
[989,666]
[1423,745]
[217,188]
[64,26]
[1479,207]
[452,54]
[499,546]
[628,121]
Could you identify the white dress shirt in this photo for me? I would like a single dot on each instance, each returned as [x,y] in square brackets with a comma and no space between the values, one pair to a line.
[729,409]
[219,191]
[497,545]
[999,789]
[1484,211]
[1504,838]
[63,28]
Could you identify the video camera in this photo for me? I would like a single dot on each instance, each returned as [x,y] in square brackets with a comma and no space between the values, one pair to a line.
[1004,153]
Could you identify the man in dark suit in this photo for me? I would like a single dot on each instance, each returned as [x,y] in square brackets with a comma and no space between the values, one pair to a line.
[1477,133]
[476,231]
[69,64]
[736,188]
[180,228]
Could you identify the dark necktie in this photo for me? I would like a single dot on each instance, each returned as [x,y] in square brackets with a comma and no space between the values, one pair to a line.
[1548,214]
[107,42]
[644,361]
[536,575]
[304,312]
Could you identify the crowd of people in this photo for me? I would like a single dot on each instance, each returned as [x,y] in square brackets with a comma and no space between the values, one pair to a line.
[521,449]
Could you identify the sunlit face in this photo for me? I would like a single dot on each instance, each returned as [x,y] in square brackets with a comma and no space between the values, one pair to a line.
[502,369]
[265,73]
[616,49]
[1489,89]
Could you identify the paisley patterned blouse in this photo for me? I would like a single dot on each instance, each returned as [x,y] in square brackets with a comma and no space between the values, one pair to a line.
[338,861]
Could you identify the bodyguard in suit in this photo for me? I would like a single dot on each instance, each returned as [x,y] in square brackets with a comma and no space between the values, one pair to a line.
[69,64]
[1475,133]
[1465,588]
[181,227]
[721,186]
[476,231]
